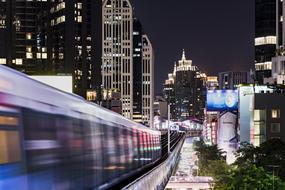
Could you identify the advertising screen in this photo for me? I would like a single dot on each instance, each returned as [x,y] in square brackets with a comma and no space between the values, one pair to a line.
[222,100]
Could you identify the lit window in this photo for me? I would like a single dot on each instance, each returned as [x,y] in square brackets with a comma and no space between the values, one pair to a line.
[29,55]
[19,61]
[2,61]
[2,21]
[28,36]
[275,113]
[39,56]
[79,18]
[60,55]
[10,147]
[44,55]
[265,40]
[275,127]
[79,5]
[91,95]
[29,49]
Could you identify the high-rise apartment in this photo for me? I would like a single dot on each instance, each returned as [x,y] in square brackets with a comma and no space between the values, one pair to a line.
[268,16]
[54,37]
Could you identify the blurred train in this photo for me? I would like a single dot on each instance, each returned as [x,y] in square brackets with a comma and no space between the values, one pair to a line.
[52,140]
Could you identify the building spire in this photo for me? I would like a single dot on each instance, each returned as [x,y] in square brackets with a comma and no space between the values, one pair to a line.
[183,55]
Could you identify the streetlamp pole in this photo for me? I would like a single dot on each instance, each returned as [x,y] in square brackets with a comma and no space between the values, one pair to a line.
[168,128]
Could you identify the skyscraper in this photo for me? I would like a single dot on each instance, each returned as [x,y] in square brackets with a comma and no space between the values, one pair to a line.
[147,81]
[53,37]
[75,42]
[189,86]
[23,35]
[137,71]
[127,61]
[267,28]
[117,56]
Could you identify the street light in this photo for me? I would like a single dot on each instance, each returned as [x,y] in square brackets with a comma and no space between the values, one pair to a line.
[273,167]
[168,128]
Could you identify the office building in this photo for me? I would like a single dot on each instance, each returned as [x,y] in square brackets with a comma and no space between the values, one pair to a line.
[268,35]
[185,90]
[137,70]
[261,114]
[147,81]
[54,38]
[128,61]
[117,55]
[160,107]
[212,83]
[232,79]
[169,92]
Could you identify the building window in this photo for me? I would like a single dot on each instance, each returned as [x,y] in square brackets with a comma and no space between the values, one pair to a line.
[28,36]
[275,113]
[275,127]
[2,61]
[19,61]
[29,55]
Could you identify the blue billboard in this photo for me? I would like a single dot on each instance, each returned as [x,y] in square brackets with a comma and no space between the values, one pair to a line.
[222,100]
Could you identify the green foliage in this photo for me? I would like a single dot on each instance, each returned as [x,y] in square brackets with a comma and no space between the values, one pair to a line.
[249,177]
[211,161]
[270,154]
[252,170]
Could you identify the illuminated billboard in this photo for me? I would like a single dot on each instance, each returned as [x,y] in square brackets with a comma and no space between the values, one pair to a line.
[63,83]
[222,100]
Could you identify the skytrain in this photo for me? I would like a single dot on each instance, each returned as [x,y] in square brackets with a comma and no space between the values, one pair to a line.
[52,140]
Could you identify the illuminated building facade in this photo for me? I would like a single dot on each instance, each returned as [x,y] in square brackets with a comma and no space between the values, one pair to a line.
[185,91]
[169,92]
[127,61]
[147,81]
[54,37]
[212,83]
[117,55]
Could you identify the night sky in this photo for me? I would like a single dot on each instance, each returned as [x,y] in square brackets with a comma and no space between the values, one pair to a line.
[217,35]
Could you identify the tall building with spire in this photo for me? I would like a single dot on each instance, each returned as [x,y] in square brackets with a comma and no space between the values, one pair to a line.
[189,86]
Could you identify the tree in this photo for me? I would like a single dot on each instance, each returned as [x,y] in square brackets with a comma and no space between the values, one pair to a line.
[270,153]
[211,161]
[249,177]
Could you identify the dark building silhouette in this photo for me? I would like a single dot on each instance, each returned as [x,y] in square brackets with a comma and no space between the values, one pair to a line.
[266,25]
[54,38]
[137,70]
[232,79]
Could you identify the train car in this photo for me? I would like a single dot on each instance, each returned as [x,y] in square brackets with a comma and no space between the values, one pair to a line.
[50,139]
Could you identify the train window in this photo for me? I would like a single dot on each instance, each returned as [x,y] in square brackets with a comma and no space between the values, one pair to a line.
[9,147]
[8,121]
[39,126]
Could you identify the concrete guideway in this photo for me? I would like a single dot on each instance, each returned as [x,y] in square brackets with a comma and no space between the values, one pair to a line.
[157,178]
